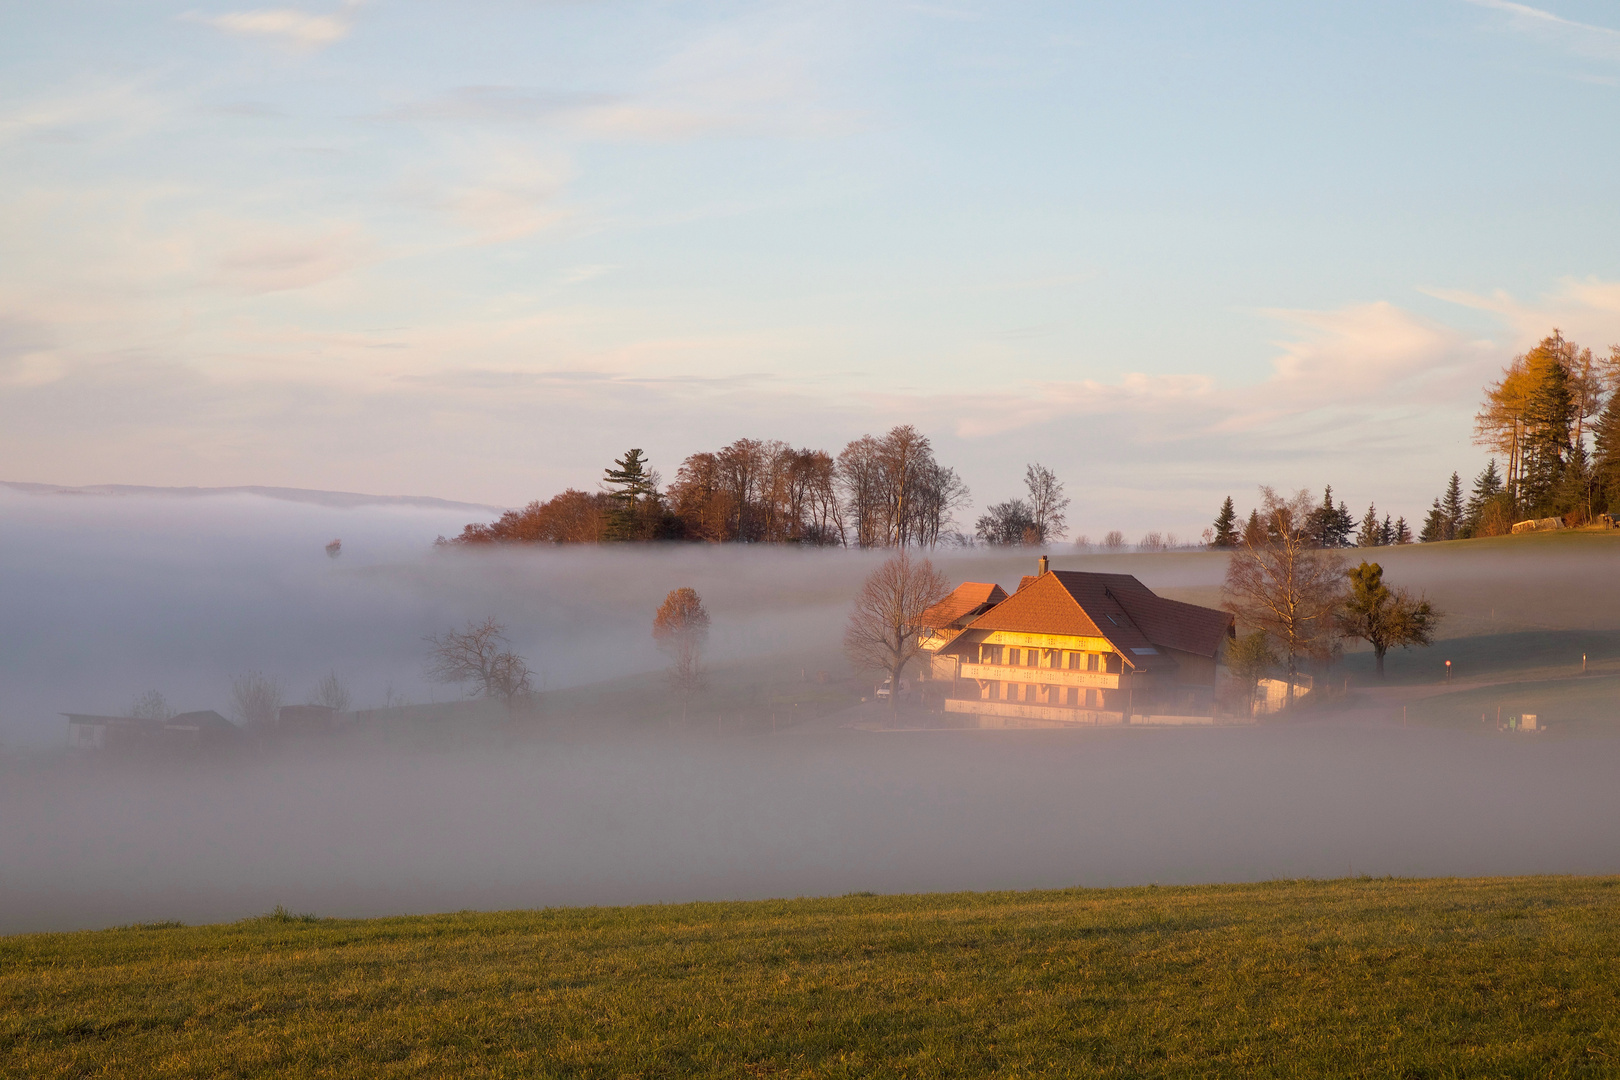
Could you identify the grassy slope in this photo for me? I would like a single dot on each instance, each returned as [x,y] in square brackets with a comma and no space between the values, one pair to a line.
[1414,978]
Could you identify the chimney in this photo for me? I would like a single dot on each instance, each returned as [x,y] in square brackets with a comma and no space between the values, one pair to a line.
[1044,566]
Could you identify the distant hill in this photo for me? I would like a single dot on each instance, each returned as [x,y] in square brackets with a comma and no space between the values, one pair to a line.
[299,495]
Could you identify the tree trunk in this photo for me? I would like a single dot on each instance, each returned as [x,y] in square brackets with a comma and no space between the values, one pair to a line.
[1378,655]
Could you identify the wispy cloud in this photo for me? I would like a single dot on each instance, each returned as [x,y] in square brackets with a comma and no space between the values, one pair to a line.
[751,78]
[122,110]
[1585,39]
[266,261]
[1587,310]
[299,29]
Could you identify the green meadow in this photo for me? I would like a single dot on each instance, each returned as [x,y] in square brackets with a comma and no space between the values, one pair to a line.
[1488,977]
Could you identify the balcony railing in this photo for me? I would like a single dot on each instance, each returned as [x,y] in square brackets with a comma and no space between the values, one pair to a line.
[1100,680]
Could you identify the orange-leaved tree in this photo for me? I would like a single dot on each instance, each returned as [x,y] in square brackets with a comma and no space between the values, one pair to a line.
[681,628]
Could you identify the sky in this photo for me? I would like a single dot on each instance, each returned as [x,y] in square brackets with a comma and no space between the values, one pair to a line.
[476,250]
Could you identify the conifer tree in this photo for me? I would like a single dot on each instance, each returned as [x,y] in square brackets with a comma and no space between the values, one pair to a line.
[1254,532]
[1344,525]
[1329,526]
[1488,485]
[1370,535]
[634,490]
[1402,533]
[1226,535]
[1606,451]
[1386,532]
[1549,413]
[1451,506]
[1434,526]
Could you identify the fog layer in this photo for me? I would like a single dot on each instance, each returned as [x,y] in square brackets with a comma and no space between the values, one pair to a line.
[797,814]
[107,597]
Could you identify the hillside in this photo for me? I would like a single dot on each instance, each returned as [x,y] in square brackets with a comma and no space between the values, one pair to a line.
[1495,977]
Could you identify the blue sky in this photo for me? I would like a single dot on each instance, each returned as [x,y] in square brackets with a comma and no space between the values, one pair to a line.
[475,250]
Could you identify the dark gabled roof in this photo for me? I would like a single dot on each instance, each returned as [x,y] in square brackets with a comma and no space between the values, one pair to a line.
[1135,620]
[204,719]
[967,599]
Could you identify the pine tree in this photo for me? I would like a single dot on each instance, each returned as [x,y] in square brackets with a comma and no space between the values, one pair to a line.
[1254,532]
[1330,527]
[1402,533]
[1549,414]
[1574,492]
[1451,507]
[1386,532]
[1344,525]
[1487,486]
[1606,454]
[1226,535]
[1434,526]
[635,488]
[1370,535]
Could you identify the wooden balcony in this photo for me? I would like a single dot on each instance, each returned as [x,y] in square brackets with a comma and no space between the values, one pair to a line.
[1095,680]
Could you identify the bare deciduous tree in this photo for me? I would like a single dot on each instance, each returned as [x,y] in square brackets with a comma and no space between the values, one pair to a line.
[1113,540]
[1280,583]
[255,699]
[478,656]
[151,706]
[1006,523]
[883,629]
[1047,503]
[681,627]
[331,693]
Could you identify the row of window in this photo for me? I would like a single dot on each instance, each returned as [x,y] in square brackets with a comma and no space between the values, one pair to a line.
[1039,694]
[1013,656]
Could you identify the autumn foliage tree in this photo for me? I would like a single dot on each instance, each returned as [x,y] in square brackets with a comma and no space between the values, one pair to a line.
[1280,583]
[681,628]
[882,633]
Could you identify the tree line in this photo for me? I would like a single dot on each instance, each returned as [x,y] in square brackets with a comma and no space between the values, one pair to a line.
[879,491]
[1322,525]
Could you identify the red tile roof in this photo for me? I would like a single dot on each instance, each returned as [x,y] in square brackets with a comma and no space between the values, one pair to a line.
[1113,606]
[967,599]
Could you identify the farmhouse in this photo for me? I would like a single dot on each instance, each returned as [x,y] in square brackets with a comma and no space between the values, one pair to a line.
[127,734]
[1075,648]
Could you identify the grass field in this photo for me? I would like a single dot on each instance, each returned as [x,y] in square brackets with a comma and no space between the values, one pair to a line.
[1491,977]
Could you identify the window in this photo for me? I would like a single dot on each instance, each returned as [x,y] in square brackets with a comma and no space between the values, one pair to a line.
[1034,657]
[1014,657]
[1074,661]
[1093,661]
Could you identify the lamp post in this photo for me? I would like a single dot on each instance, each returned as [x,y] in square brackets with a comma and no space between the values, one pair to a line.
[1448,672]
